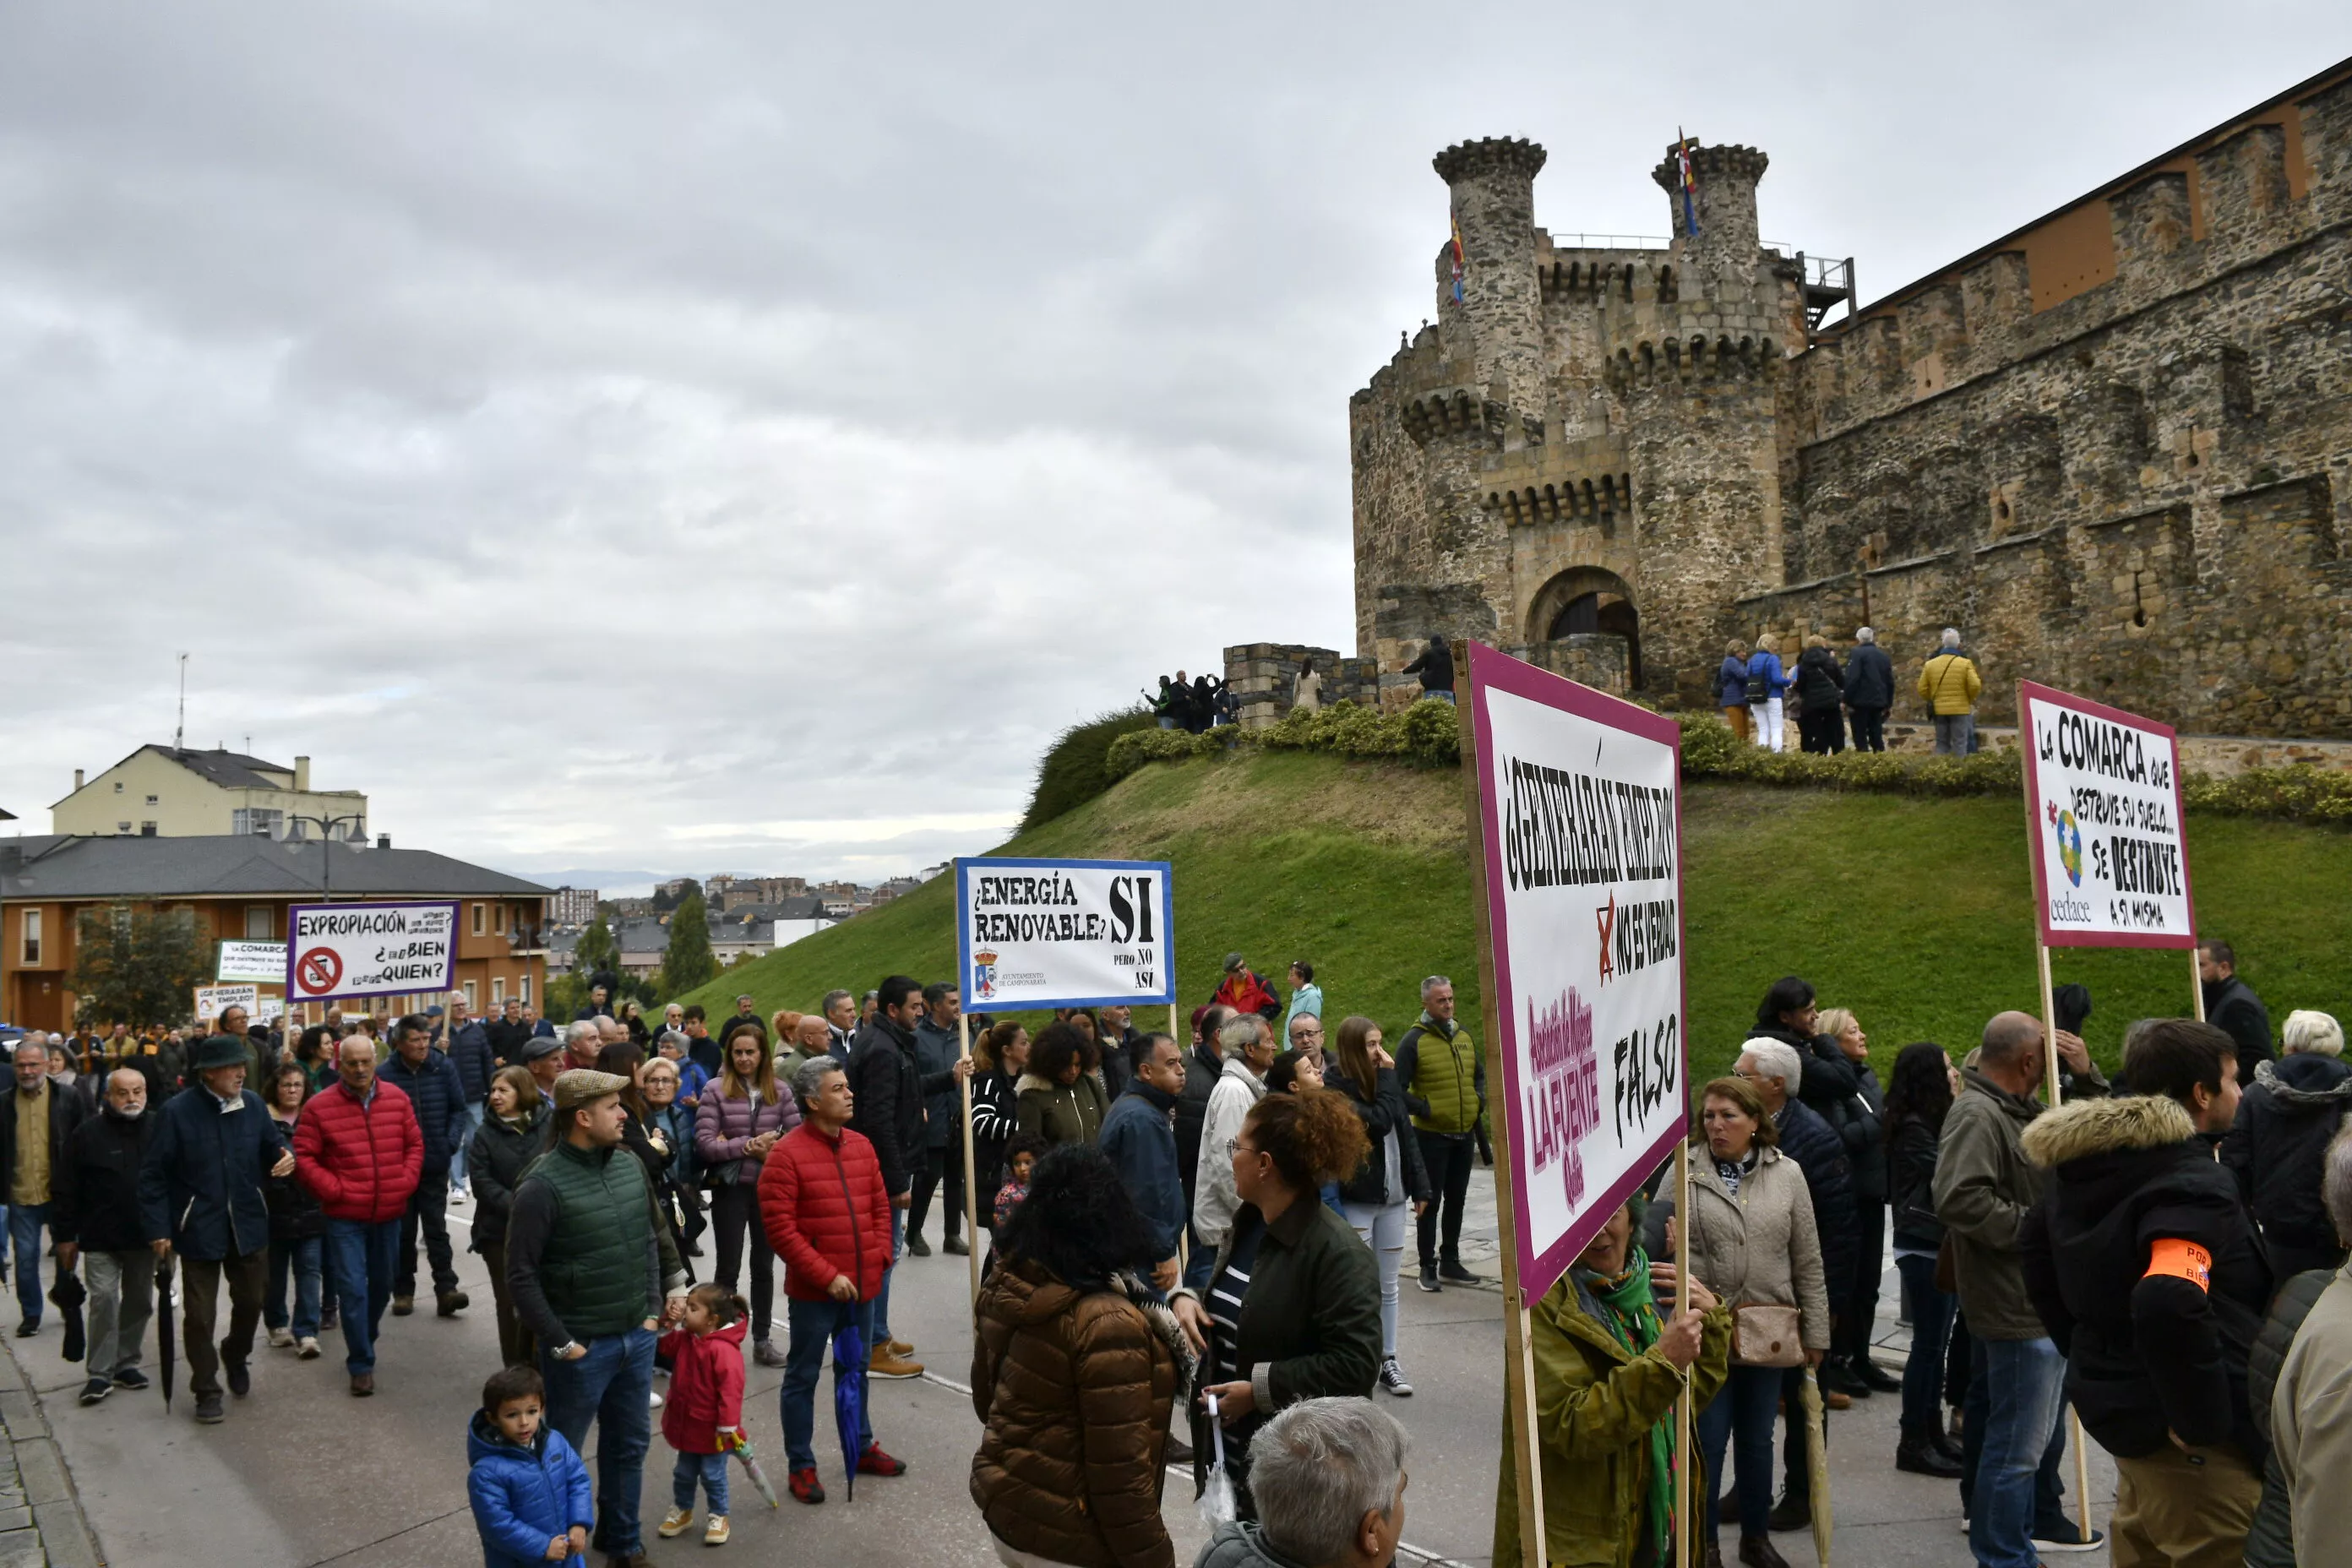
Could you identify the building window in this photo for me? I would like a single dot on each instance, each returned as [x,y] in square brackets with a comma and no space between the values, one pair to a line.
[122,828]
[118,787]
[526,988]
[472,1001]
[263,821]
[498,918]
[259,923]
[481,920]
[153,799]
[147,830]
[498,991]
[32,936]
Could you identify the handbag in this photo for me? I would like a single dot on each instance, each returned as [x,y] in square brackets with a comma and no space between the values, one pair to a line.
[1764,1333]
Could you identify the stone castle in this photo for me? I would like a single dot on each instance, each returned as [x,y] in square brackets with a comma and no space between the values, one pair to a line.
[2115,447]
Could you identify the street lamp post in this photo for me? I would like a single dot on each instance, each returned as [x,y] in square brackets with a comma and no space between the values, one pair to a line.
[327,825]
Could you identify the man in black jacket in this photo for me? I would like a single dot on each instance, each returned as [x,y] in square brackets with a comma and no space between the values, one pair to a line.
[885,1076]
[2232,1006]
[438,1097]
[2144,1264]
[1869,690]
[1435,667]
[940,1150]
[41,1115]
[1779,1074]
[94,1212]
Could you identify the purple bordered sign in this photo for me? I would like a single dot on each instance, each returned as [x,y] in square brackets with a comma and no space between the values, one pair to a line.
[1579,807]
[2110,846]
[1065,933]
[369,950]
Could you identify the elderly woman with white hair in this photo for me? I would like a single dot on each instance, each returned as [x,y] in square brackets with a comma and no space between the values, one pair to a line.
[2278,1146]
[1332,1477]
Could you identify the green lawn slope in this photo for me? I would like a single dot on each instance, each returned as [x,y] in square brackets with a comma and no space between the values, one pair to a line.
[1912,912]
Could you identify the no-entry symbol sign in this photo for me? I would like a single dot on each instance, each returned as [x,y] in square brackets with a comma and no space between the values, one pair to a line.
[319,970]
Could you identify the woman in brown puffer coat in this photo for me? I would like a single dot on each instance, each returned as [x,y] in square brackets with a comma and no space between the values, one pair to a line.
[1074,1372]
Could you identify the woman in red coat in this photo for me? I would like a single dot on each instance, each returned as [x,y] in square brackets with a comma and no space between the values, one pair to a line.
[827,1215]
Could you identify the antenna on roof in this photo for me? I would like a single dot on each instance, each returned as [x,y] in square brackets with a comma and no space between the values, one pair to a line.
[180,733]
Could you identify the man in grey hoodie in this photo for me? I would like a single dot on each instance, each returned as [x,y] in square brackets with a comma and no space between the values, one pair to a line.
[1328,1478]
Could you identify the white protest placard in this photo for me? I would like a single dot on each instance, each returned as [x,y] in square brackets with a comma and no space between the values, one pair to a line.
[212,1000]
[369,950]
[272,1008]
[1064,933]
[2110,844]
[264,960]
[1579,799]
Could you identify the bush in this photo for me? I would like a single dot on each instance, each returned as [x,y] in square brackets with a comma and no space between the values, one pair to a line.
[1073,770]
[2298,794]
[1711,750]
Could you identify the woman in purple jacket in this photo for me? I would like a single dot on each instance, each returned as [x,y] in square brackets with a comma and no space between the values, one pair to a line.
[742,1114]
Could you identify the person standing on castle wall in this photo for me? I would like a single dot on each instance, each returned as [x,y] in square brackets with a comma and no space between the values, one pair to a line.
[1766,689]
[1731,686]
[1820,688]
[1308,696]
[1948,684]
[1869,690]
[1435,667]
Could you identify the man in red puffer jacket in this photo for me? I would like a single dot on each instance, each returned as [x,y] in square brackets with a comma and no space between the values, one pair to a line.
[827,1215]
[358,1149]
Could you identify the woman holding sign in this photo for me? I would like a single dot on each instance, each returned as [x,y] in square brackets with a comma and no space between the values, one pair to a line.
[1609,1364]
[1752,1242]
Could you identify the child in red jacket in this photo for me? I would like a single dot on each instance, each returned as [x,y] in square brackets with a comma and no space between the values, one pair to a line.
[706,1405]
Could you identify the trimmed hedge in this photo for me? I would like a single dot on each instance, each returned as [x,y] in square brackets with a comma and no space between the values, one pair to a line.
[1427,735]
[1072,770]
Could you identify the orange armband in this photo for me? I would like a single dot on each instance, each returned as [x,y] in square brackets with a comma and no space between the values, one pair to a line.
[2182,1259]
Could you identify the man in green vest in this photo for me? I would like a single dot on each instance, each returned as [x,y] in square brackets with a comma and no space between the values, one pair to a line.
[584,1272]
[1444,1077]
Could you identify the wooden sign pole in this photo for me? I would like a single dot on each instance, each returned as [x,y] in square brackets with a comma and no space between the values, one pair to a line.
[1520,1379]
[971,1179]
[2196,985]
[2049,1071]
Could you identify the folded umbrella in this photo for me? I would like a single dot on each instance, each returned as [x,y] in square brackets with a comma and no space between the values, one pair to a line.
[849,1400]
[741,1448]
[1817,1465]
[166,1356]
[68,1294]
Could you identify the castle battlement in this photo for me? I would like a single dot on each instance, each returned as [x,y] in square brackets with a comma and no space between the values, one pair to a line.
[2114,446]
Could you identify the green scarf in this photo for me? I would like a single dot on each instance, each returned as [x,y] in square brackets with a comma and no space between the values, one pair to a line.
[1629,1313]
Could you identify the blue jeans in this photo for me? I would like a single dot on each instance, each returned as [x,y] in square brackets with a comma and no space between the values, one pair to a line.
[2024,1380]
[1931,1328]
[364,1256]
[613,1385]
[710,1470]
[1741,1415]
[458,1160]
[1200,1261]
[25,1223]
[882,1296]
[300,1258]
[812,1325]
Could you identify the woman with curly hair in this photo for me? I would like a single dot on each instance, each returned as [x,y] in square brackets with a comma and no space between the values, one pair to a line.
[1000,1058]
[1075,1367]
[1292,1311]
[1060,1101]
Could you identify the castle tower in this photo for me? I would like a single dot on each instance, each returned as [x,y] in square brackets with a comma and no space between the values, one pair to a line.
[1725,204]
[1501,311]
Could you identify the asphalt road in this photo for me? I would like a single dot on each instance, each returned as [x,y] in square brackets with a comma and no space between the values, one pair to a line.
[302,1474]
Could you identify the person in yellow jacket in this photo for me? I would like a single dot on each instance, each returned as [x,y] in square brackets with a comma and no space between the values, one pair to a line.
[1610,1365]
[1948,684]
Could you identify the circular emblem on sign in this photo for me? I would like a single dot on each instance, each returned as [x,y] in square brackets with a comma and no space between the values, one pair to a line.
[318,971]
[2069,847]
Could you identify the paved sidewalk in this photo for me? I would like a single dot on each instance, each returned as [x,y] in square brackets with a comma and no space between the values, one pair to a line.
[41,1518]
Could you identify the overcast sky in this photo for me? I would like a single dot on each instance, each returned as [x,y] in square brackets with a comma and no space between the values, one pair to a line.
[736,436]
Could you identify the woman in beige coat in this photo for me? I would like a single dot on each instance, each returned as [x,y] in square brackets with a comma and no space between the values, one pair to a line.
[1752,1243]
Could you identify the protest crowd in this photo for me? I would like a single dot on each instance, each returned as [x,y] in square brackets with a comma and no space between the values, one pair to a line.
[1187,1240]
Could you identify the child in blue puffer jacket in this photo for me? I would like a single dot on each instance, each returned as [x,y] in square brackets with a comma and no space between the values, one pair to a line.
[532,1498]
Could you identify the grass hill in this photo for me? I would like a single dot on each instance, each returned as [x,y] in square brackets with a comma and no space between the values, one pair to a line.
[1914,912]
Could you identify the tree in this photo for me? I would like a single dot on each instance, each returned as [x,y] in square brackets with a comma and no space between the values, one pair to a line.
[138,967]
[687,962]
[673,896]
[597,951]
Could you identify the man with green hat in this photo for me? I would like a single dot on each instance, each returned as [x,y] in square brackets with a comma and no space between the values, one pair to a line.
[584,1272]
[200,1195]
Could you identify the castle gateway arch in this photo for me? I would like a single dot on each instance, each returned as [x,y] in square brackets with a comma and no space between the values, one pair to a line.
[1584,601]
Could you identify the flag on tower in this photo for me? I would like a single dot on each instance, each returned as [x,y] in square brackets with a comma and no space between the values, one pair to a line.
[1689,181]
[1457,257]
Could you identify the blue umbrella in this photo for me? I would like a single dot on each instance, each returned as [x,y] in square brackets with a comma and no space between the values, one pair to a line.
[849,1398]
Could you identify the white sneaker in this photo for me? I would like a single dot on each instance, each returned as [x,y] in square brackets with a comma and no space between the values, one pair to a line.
[657,1399]
[281,1338]
[306,1349]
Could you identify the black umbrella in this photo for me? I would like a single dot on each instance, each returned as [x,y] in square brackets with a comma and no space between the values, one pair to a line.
[165,1355]
[68,1294]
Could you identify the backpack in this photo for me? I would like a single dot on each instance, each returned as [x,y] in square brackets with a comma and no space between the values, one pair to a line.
[1760,685]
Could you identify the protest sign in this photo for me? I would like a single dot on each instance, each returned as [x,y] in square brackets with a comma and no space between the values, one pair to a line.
[1064,933]
[2110,847]
[212,1000]
[272,1009]
[1579,807]
[263,961]
[369,950]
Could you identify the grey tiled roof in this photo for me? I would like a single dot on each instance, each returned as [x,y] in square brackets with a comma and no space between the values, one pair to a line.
[62,865]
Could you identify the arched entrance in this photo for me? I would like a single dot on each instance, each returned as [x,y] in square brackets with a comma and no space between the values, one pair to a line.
[1585,601]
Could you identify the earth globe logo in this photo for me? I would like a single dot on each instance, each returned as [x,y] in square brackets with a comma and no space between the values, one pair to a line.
[2069,844]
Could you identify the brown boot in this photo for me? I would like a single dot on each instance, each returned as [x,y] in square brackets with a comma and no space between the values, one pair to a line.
[883,1363]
